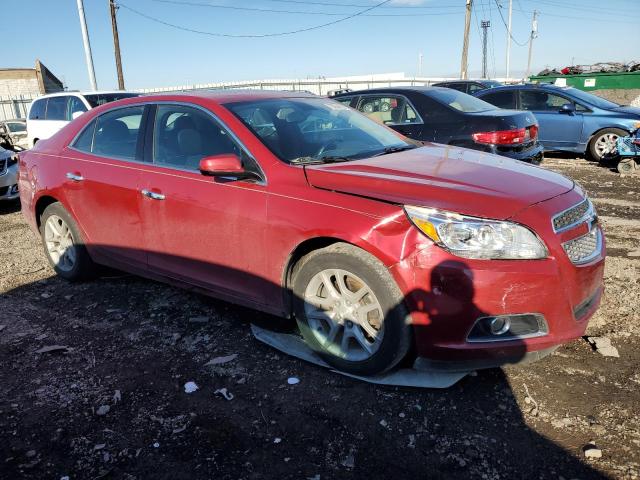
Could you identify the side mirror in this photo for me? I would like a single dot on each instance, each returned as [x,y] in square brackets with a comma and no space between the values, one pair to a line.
[568,108]
[225,165]
[75,115]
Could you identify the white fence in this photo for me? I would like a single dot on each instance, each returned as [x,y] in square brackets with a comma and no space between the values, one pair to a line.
[316,86]
[14,107]
[17,107]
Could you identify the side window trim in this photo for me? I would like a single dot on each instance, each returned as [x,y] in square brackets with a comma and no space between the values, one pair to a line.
[399,95]
[149,135]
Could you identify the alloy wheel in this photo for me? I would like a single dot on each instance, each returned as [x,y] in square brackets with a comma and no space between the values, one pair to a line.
[606,144]
[60,243]
[344,315]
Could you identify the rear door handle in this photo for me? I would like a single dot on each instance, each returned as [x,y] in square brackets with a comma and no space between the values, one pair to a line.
[75,177]
[152,195]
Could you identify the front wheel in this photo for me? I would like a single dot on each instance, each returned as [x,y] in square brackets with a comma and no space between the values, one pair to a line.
[349,310]
[63,244]
[603,143]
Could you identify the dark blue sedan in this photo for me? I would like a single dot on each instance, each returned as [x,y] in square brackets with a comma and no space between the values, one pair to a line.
[570,120]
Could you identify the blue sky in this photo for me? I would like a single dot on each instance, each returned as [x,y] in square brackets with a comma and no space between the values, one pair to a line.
[157,55]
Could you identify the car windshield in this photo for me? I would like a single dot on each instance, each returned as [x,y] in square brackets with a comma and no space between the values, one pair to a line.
[16,127]
[591,99]
[304,130]
[461,101]
[97,99]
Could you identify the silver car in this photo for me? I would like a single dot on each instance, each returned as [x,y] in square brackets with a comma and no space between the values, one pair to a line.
[8,175]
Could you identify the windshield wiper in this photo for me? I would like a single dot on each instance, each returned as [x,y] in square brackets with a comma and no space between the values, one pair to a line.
[318,160]
[395,149]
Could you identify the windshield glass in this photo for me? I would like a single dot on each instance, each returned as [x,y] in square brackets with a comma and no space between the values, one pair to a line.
[315,128]
[96,99]
[591,98]
[16,127]
[461,101]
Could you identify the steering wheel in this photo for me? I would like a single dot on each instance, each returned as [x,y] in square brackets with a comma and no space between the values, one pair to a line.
[331,145]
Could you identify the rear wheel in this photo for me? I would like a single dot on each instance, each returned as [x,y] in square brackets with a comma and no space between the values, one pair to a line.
[603,143]
[349,310]
[63,244]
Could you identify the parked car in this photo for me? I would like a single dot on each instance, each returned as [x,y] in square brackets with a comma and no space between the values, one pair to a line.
[13,134]
[8,175]
[444,115]
[571,120]
[469,86]
[299,206]
[49,113]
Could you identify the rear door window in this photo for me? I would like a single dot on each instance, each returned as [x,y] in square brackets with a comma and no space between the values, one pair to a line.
[38,109]
[116,134]
[57,108]
[389,109]
[504,99]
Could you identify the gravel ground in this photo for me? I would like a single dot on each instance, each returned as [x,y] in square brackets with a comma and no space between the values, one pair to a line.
[112,404]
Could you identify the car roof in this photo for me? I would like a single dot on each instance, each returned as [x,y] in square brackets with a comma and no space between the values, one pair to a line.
[66,93]
[539,86]
[218,96]
[415,88]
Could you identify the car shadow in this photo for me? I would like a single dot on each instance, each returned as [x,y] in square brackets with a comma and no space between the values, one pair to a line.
[8,207]
[328,426]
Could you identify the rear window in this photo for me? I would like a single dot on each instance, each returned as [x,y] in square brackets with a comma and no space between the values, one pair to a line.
[503,99]
[16,127]
[461,101]
[38,109]
[97,99]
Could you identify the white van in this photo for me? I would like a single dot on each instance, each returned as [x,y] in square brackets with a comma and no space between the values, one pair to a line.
[49,113]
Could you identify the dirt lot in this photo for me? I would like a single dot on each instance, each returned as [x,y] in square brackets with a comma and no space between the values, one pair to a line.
[133,344]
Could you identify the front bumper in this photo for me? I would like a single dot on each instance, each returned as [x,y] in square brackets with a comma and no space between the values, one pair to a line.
[9,183]
[446,295]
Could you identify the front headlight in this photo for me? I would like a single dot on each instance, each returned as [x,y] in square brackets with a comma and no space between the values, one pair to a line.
[472,237]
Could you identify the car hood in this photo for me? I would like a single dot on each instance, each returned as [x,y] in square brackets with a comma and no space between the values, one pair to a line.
[449,178]
[635,111]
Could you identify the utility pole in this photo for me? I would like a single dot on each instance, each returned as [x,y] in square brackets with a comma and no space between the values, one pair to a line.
[509,38]
[116,44]
[420,57]
[485,24]
[87,46]
[534,34]
[465,43]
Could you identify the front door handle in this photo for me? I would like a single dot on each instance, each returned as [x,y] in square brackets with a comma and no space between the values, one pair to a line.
[75,177]
[152,195]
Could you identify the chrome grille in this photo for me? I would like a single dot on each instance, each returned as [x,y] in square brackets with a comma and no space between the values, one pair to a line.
[572,216]
[3,167]
[582,249]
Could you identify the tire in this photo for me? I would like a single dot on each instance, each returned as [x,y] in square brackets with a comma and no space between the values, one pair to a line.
[627,165]
[374,325]
[63,244]
[603,139]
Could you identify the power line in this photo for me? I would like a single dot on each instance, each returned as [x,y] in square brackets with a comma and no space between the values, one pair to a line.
[360,5]
[295,12]
[215,34]
[506,26]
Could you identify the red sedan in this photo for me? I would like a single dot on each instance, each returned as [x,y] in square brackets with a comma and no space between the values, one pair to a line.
[300,206]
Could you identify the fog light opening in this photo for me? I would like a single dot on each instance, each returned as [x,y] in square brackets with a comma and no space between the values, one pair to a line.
[499,326]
